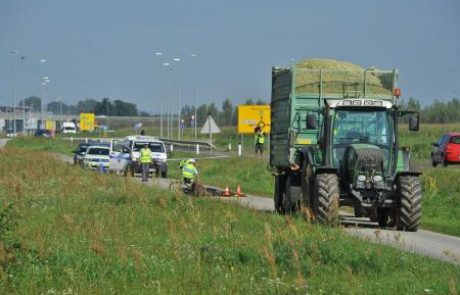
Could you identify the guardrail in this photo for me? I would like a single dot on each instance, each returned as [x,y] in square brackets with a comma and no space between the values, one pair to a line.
[191,144]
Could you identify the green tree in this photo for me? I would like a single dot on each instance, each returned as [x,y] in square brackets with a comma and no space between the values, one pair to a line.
[227,112]
[33,102]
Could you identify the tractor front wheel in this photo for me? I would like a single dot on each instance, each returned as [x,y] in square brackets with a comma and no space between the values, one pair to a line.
[410,203]
[326,199]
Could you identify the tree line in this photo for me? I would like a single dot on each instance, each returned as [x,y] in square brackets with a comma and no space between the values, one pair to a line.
[437,112]
[106,106]
[226,115]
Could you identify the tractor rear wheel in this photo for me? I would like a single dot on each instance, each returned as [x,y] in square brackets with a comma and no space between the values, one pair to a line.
[326,199]
[280,186]
[289,204]
[410,203]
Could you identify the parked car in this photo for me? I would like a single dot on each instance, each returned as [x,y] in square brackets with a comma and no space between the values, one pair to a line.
[446,150]
[97,157]
[43,133]
[10,133]
[79,152]
[159,165]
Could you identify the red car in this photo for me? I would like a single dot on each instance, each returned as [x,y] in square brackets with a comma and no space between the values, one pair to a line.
[446,150]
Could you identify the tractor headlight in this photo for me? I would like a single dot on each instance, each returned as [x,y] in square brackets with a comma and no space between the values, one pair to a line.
[362,178]
[377,178]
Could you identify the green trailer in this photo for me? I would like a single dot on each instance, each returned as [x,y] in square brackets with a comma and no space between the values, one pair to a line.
[334,142]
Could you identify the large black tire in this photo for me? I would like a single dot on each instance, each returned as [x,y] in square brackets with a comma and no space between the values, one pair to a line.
[326,199]
[410,203]
[164,174]
[280,186]
[306,182]
[288,205]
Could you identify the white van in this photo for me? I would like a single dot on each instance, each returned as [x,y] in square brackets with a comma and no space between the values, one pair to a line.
[159,164]
[69,127]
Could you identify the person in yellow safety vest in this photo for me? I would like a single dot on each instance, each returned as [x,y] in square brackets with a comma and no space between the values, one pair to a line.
[189,174]
[259,140]
[145,159]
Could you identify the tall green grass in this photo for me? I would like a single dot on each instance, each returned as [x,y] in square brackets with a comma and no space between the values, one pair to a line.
[78,232]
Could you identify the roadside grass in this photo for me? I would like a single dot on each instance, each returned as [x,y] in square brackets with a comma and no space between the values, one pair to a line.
[441,200]
[69,231]
[55,145]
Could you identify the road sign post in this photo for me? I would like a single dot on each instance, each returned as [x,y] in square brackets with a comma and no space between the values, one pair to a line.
[210,127]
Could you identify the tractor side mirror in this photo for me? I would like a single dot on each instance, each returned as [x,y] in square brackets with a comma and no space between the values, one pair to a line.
[414,123]
[312,122]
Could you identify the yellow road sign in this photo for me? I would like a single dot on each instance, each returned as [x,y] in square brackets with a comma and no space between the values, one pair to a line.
[251,116]
[87,122]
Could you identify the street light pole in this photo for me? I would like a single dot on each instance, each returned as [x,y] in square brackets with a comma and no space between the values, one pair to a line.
[22,58]
[177,60]
[42,84]
[166,66]
[195,120]
[159,92]
[13,90]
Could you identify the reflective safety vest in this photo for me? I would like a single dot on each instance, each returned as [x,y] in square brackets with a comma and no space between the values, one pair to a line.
[259,138]
[189,171]
[146,155]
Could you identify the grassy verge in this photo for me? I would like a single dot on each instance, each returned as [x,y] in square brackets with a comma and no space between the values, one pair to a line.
[441,200]
[70,231]
[55,145]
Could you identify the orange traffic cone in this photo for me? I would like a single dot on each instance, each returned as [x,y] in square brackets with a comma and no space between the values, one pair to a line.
[239,193]
[226,192]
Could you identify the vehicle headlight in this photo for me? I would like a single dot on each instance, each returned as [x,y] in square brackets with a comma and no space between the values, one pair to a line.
[362,178]
[377,178]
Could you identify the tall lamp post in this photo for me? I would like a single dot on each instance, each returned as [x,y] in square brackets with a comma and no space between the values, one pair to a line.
[13,90]
[166,66]
[177,60]
[195,120]
[42,85]
[20,94]
[159,92]
[45,83]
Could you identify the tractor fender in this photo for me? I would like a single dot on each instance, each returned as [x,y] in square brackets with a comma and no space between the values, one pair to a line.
[408,173]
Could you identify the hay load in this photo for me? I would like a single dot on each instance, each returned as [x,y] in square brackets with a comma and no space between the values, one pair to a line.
[340,78]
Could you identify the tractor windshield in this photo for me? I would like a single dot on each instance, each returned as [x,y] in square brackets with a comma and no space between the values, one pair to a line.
[355,126]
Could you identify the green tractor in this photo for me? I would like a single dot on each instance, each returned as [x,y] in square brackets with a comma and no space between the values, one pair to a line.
[335,143]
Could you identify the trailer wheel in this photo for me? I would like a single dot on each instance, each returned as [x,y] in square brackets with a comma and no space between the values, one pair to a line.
[410,203]
[280,186]
[327,199]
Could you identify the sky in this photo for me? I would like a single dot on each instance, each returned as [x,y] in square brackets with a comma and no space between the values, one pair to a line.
[107,48]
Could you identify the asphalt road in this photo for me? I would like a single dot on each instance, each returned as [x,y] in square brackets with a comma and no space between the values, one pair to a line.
[440,246]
